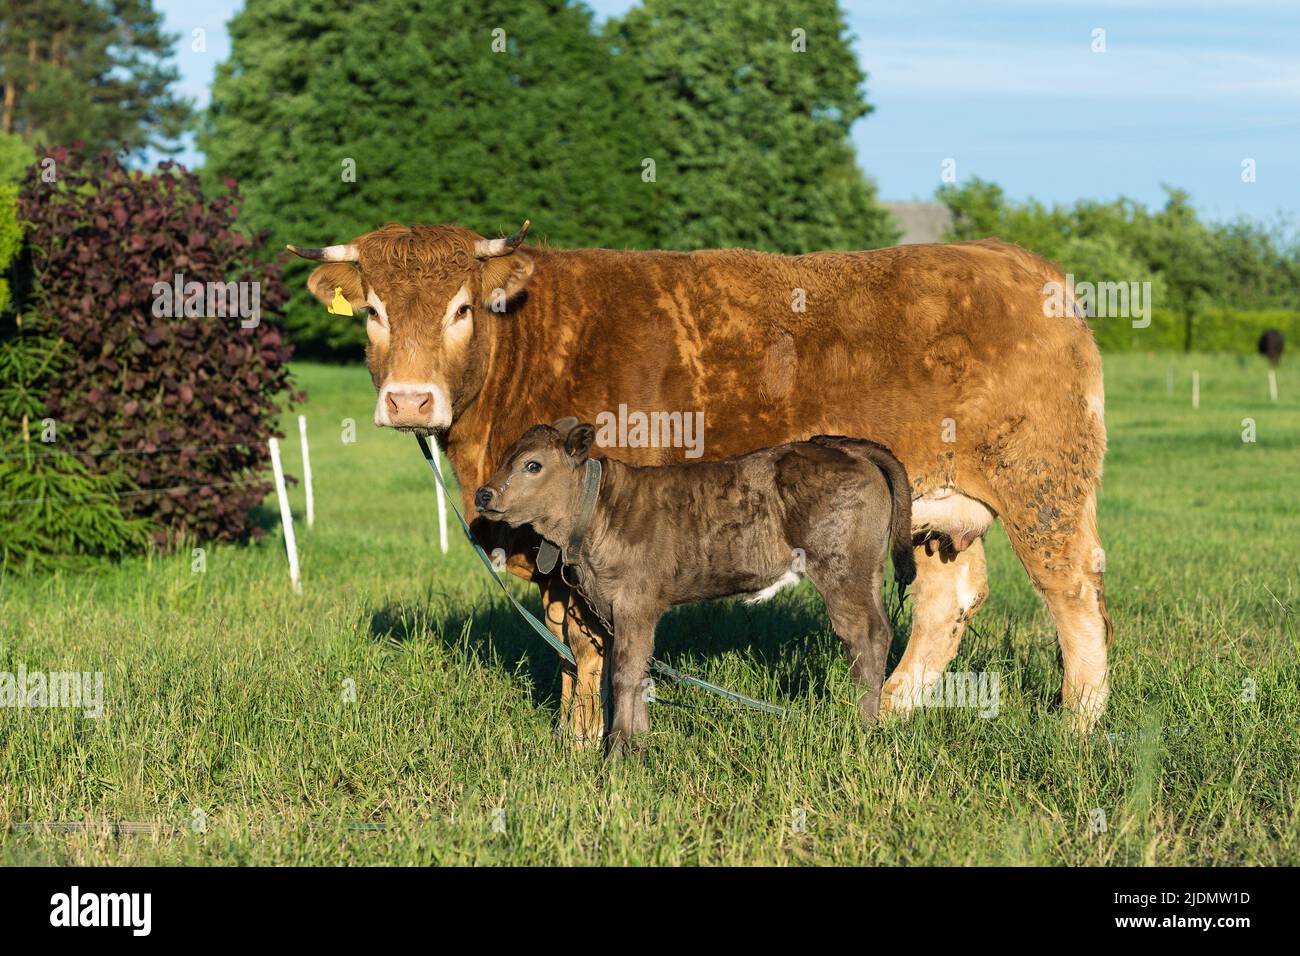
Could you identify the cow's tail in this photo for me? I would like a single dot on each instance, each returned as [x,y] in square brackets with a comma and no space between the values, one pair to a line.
[900,493]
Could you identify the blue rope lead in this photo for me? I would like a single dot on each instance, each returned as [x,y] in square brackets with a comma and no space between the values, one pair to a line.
[557,645]
[658,666]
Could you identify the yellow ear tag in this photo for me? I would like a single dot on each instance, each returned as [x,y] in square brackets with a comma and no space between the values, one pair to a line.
[340,305]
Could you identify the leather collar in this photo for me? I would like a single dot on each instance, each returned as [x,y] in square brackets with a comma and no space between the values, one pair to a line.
[548,554]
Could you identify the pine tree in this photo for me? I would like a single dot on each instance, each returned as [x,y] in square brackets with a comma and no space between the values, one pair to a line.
[54,511]
[93,71]
[749,108]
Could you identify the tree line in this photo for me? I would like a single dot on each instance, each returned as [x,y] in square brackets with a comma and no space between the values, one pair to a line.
[1216,286]
[683,124]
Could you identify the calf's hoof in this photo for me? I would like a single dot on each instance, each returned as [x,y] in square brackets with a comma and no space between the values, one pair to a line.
[893,706]
[870,710]
[619,747]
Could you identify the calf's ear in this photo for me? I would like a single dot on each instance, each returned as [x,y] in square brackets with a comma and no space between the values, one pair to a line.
[564,425]
[504,277]
[579,441]
[337,275]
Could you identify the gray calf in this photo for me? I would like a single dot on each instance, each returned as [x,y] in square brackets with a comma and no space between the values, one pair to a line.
[642,540]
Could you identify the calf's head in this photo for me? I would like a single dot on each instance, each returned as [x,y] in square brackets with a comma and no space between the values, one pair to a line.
[540,480]
[429,293]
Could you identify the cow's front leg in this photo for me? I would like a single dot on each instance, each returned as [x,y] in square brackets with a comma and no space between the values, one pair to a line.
[581,717]
[631,649]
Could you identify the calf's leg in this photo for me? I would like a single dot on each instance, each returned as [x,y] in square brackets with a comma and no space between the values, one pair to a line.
[857,613]
[631,650]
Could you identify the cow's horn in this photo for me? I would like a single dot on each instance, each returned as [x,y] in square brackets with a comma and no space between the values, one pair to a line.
[346,253]
[487,248]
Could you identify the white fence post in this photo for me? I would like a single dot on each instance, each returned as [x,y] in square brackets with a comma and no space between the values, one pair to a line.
[306,471]
[442,500]
[1272,384]
[286,517]
[1196,389]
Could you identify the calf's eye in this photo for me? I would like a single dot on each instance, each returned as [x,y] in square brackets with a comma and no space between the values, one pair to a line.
[533,467]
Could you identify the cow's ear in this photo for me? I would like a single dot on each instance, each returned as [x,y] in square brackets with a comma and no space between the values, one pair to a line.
[579,441]
[504,277]
[337,275]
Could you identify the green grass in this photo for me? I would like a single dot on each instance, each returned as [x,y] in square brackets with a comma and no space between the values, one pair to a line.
[224,690]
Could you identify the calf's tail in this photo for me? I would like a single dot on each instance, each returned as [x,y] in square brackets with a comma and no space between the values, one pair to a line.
[900,493]
[900,521]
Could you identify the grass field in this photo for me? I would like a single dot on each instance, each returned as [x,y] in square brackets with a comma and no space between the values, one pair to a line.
[225,692]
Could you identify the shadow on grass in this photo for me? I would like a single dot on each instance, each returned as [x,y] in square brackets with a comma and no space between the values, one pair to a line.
[493,633]
[267,515]
[783,637]
[788,636]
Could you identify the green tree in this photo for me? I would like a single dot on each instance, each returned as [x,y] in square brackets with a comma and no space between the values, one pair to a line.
[54,511]
[335,120]
[1195,268]
[94,71]
[748,109]
[15,156]
[1263,264]
[1182,250]
[980,210]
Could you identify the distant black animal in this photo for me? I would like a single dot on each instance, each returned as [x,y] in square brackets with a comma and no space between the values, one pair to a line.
[1270,346]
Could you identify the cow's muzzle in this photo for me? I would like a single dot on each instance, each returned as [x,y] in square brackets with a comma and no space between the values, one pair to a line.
[418,407]
[410,409]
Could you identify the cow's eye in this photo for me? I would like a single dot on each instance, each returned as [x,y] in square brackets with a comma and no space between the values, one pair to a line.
[464,310]
[533,467]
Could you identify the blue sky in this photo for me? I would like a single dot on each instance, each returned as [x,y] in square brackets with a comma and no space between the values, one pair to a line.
[1012,91]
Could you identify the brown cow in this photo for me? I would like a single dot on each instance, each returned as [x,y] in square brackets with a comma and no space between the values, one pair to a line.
[944,353]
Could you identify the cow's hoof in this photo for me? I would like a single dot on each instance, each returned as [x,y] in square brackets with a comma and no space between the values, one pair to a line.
[893,707]
[1081,720]
[577,739]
